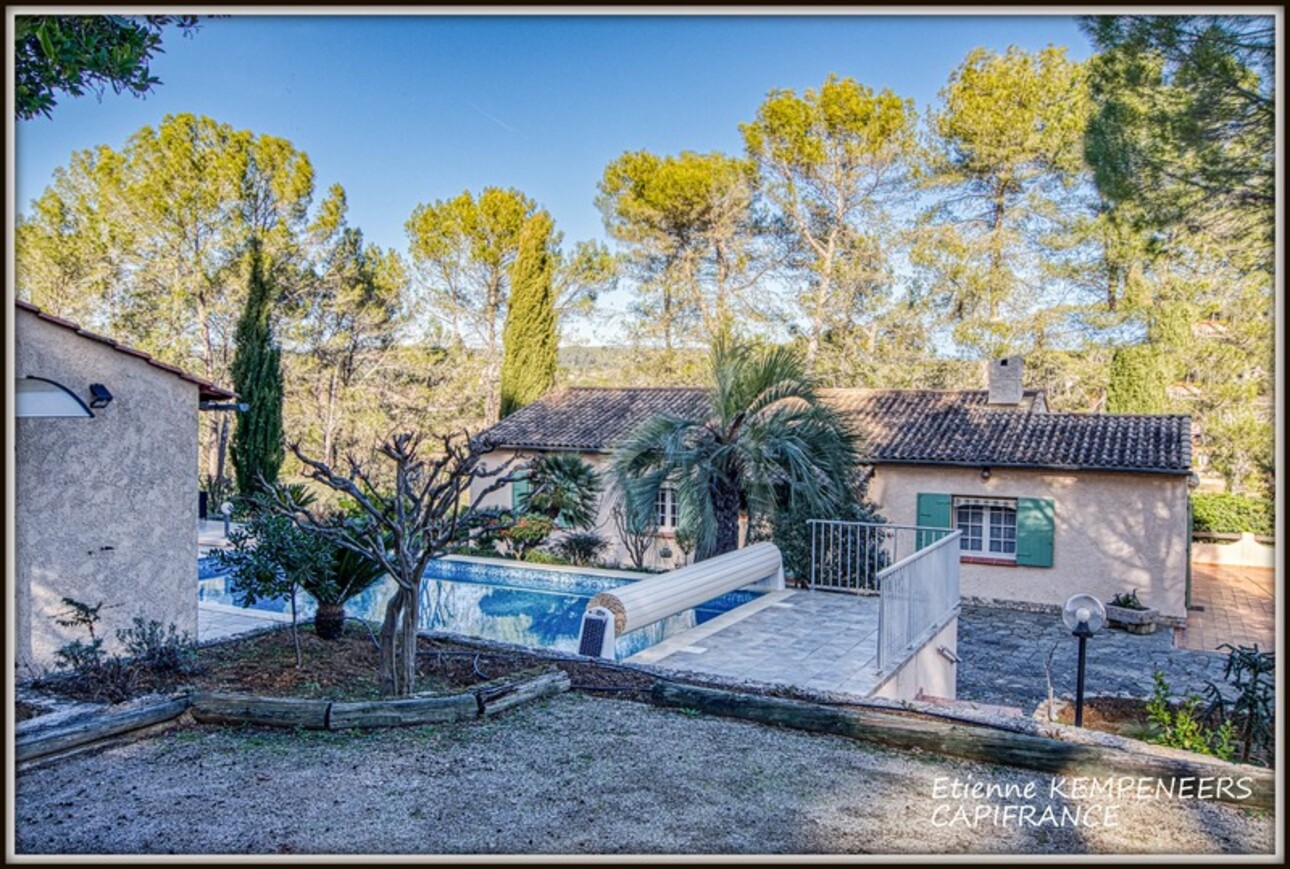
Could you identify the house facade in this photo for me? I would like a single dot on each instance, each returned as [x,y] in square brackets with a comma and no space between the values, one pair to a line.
[105,505]
[1050,504]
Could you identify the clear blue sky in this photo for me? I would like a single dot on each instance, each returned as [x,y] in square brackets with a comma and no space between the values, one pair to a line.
[408,109]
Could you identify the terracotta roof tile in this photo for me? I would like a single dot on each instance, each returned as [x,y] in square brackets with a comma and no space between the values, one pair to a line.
[895,426]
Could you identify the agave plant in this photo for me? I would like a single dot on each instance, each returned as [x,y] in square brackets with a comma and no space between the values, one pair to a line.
[767,440]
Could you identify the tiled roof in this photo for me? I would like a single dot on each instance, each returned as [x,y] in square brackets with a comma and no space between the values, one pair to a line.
[206,389]
[591,419]
[959,428]
[895,426]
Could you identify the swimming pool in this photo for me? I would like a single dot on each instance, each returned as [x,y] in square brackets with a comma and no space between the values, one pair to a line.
[507,601]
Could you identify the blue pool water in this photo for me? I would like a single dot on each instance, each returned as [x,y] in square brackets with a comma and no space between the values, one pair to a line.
[512,603]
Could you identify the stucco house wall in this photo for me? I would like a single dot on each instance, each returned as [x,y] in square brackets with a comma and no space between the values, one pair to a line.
[1114,531]
[105,508]
[616,551]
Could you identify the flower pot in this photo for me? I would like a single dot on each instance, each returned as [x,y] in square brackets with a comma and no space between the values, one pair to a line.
[329,621]
[1134,621]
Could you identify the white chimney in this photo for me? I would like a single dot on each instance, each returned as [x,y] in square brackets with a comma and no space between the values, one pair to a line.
[1005,381]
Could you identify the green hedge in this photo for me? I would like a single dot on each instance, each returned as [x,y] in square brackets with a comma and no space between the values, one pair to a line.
[1223,513]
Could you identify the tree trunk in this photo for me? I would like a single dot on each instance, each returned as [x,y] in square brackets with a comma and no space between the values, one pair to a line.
[329,621]
[398,641]
[996,291]
[385,666]
[725,507]
[823,290]
[329,425]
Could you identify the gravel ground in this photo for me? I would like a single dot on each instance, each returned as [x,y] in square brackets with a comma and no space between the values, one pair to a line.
[573,775]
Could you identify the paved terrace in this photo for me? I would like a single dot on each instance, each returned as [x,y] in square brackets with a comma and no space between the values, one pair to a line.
[217,621]
[1232,605]
[808,639]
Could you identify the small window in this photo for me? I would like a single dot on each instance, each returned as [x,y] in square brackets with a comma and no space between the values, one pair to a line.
[665,508]
[989,526]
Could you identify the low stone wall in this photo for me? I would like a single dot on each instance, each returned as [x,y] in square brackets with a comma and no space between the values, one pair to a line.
[1245,551]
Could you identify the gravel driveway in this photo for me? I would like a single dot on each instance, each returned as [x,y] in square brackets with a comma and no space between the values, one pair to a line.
[570,775]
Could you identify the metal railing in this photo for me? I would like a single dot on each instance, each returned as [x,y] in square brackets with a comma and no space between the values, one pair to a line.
[917,595]
[850,556]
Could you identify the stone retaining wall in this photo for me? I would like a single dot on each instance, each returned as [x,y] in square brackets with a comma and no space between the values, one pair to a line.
[1247,551]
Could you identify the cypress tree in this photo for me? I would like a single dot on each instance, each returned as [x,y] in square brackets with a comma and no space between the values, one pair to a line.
[1139,380]
[529,339]
[257,376]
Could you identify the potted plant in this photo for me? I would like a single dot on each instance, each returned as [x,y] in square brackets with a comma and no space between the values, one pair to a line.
[272,557]
[1127,612]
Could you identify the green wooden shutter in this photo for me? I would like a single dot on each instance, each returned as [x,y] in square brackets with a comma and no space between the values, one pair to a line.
[1035,525]
[519,494]
[934,511]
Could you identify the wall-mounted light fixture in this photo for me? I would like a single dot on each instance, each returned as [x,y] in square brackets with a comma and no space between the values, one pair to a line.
[985,473]
[99,396]
[40,396]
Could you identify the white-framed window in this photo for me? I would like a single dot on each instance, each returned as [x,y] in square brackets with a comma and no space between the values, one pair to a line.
[665,508]
[989,526]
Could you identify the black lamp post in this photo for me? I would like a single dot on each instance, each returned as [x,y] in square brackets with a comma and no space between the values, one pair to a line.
[1083,633]
[1084,615]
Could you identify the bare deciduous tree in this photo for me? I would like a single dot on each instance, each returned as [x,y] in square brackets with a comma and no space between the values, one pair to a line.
[403,529]
[635,540]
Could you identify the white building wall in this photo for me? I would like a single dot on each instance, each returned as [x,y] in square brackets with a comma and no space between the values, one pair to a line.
[105,508]
[1115,532]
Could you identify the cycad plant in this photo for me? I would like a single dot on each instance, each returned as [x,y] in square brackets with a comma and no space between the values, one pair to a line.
[767,441]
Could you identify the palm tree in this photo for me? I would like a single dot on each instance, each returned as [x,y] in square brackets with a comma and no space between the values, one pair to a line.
[767,441]
[564,487]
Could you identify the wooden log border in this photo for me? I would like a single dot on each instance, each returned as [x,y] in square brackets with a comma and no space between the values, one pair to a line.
[218,708]
[95,727]
[968,741]
[482,701]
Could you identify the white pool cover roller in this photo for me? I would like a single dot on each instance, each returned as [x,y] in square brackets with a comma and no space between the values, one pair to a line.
[650,600]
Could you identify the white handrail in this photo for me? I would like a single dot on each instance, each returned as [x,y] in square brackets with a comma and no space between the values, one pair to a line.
[918,594]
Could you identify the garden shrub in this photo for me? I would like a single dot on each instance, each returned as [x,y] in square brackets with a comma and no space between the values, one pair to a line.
[527,533]
[1252,709]
[580,548]
[159,649]
[541,556]
[155,658]
[1184,727]
[478,551]
[789,529]
[1226,513]
[487,525]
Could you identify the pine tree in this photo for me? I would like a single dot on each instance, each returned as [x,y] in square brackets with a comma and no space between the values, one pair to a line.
[257,377]
[530,340]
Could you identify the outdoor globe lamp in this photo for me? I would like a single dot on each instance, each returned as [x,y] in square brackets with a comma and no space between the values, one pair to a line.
[1084,616]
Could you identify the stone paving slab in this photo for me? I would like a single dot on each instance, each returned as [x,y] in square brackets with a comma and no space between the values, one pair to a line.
[1004,652]
[814,640]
